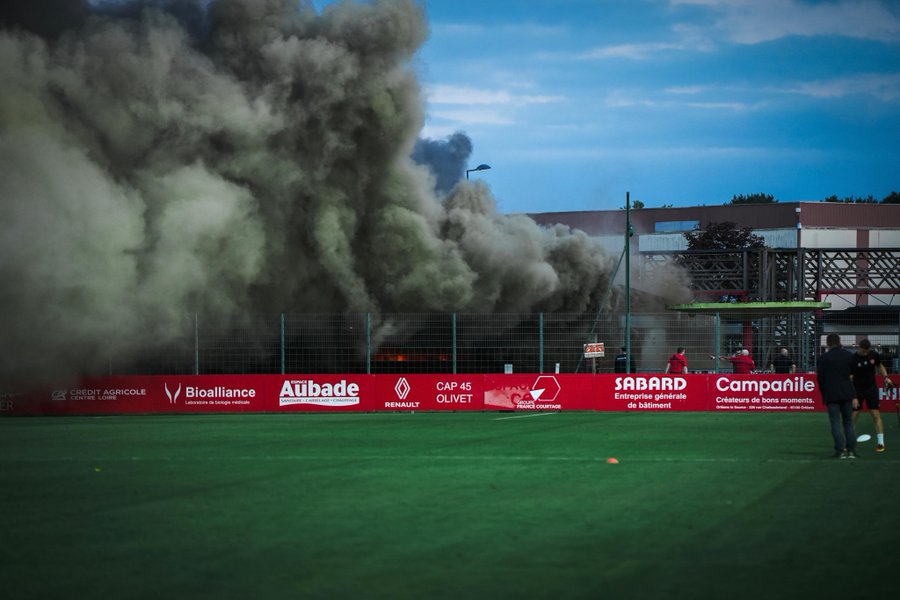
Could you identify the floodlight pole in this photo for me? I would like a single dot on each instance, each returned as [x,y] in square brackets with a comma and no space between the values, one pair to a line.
[481,167]
[628,233]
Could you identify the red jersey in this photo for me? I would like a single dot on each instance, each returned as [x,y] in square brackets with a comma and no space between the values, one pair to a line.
[742,363]
[677,363]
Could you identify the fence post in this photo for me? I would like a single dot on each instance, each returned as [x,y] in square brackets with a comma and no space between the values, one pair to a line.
[282,343]
[718,343]
[368,343]
[453,321]
[804,322]
[541,338]
[196,344]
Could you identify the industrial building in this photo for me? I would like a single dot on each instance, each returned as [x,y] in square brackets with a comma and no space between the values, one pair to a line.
[843,254]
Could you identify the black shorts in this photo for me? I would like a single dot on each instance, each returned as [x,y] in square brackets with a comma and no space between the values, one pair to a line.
[868,398]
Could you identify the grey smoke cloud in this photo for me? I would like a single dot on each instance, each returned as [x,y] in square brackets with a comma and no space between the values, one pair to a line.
[247,156]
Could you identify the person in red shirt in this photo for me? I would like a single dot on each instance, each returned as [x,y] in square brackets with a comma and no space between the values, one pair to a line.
[677,363]
[742,361]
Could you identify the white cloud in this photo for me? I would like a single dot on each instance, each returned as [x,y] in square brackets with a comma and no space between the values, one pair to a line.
[662,152]
[732,106]
[664,100]
[691,90]
[533,30]
[885,87]
[627,99]
[474,116]
[629,51]
[756,21]
[462,95]
[437,132]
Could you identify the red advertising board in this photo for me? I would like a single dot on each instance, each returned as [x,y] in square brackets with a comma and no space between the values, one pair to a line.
[889,399]
[537,391]
[798,392]
[353,393]
[342,393]
[100,395]
[651,392]
[149,394]
[212,393]
[429,392]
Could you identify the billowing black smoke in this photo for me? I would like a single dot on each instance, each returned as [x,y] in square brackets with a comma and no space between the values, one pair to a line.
[446,159]
[164,158]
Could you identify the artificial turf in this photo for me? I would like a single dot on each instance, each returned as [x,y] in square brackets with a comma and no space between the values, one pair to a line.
[444,505]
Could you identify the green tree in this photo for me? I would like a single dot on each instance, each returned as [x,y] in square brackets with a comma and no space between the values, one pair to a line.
[892,198]
[722,271]
[870,199]
[754,199]
[723,236]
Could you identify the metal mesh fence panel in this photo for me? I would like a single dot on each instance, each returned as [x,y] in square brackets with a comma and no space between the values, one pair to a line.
[325,343]
[882,329]
[158,354]
[491,343]
[412,343]
[250,346]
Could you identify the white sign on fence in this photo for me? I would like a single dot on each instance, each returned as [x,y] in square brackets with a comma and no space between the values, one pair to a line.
[595,350]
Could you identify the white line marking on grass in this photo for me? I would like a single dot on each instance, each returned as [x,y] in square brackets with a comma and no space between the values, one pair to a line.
[536,414]
[437,458]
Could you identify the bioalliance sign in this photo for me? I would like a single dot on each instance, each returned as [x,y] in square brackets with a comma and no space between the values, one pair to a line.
[199,395]
[306,391]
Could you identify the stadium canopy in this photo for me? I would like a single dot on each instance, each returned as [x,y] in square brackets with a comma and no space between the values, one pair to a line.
[749,310]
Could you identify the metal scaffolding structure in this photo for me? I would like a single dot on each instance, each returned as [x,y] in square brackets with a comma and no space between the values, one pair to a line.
[778,275]
[864,279]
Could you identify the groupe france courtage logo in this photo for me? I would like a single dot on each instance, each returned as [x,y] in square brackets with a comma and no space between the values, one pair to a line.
[545,389]
[307,391]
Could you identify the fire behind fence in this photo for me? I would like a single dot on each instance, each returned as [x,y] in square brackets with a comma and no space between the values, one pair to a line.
[485,343]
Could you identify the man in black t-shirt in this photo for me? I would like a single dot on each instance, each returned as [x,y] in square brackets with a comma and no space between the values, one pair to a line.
[622,363]
[783,363]
[866,364]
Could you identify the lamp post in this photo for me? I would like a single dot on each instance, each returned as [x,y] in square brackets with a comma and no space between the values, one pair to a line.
[629,231]
[481,167]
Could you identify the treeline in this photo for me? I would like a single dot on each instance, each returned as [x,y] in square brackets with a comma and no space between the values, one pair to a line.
[892,198]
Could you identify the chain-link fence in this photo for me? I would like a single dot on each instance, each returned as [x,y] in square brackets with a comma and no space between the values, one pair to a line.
[494,343]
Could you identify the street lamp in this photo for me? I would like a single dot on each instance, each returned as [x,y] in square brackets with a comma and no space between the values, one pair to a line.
[481,167]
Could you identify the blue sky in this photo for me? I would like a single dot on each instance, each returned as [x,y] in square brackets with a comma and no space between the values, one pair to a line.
[682,102]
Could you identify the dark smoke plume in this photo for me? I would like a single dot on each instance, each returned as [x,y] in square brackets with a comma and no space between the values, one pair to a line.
[445,159]
[233,157]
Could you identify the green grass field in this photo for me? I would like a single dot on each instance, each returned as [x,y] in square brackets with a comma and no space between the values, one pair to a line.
[451,505]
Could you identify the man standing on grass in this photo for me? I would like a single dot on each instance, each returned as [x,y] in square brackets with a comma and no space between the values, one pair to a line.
[836,386]
[867,362]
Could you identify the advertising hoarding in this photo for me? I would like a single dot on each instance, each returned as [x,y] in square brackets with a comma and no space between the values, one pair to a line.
[537,392]
[429,392]
[426,392]
[651,392]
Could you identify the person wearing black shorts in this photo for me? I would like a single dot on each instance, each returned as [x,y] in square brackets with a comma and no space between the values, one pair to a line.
[866,363]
